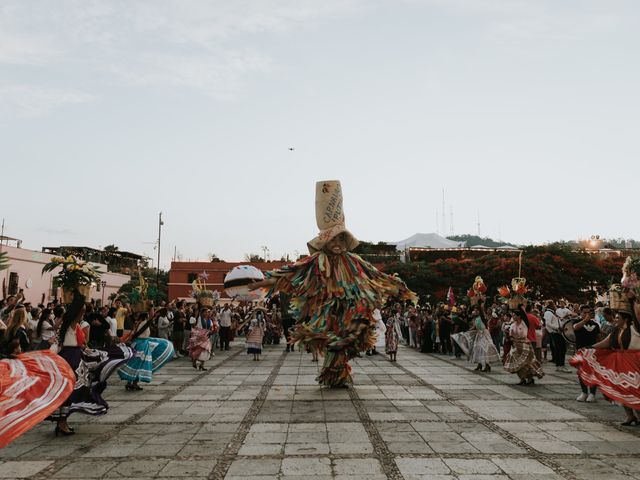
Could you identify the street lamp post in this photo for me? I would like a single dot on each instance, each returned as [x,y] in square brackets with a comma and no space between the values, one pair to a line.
[103,284]
[160,223]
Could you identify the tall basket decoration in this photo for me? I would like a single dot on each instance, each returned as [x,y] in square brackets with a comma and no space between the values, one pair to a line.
[477,291]
[617,299]
[514,296]
[206,297]
[140,295]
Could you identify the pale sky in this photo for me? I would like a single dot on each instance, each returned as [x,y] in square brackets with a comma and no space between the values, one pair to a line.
[111,111]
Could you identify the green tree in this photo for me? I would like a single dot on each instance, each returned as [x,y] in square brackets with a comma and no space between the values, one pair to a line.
[472,240]
[554,271]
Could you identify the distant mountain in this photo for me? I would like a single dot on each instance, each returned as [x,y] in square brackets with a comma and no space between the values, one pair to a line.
[475,240]
[426,240]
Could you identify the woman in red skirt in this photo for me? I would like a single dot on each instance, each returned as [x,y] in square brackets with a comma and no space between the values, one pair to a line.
[32,386]
[614,364]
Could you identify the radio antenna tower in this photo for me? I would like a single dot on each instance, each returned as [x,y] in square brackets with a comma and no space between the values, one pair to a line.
[478,222]
[451,232]
[444,216]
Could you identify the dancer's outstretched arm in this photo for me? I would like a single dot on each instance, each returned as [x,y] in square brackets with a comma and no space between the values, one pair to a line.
[266,283]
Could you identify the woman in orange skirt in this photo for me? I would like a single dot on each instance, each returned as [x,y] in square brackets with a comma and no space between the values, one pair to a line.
[32,386]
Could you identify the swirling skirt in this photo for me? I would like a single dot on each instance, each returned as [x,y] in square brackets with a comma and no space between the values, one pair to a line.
[92,370]
[522,360]
[150,355]
[615,372]
[465,341]
[32,386]
[199,344]
[483,349]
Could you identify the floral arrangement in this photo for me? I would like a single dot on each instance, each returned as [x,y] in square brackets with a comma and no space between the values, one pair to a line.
[477,290]
[514,295]
[504,292]
[630,273]
[519,286]
[74,273]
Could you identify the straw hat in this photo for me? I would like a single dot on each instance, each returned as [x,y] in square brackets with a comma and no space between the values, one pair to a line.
[330,216]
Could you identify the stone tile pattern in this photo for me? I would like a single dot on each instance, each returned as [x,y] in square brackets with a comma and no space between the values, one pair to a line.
[424,417]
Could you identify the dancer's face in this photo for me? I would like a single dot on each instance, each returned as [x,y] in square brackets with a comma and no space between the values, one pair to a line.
[337,245]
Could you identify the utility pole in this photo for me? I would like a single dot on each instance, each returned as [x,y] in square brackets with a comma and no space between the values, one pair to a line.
[160,223]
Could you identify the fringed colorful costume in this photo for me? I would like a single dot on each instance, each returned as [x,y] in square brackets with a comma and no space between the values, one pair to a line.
[334,292]
[333,297]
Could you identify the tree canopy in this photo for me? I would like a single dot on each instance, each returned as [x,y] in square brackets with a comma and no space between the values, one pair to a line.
[553,271]
[473,240]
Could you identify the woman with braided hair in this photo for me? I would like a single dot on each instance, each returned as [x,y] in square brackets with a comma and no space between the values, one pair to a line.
[521,358]
[92,367]
[150,354]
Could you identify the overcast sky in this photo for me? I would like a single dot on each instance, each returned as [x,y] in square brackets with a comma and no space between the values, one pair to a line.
[111,111]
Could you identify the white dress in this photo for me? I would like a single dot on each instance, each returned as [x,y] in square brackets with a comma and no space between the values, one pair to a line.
[483,350]
[477,344]
[381,329]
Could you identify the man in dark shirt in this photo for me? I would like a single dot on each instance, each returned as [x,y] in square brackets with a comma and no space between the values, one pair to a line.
[459,326]
[445,333]
[179,322]
[587,331]
[98,327]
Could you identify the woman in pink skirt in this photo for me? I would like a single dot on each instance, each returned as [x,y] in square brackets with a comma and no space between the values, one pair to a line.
[255,332]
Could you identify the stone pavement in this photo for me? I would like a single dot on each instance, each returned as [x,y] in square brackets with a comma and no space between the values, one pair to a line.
[424,417]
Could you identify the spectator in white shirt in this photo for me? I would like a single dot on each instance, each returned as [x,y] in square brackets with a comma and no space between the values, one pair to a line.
[225,327]
[113,323]
[558,344]
[164,324]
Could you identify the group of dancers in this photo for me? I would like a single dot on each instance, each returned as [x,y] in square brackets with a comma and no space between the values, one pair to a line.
[334,297]
[69,377]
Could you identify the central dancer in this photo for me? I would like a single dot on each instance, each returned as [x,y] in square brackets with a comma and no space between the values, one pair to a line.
[334,292]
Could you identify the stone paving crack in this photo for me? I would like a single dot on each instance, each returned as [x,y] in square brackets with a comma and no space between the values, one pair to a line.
[558,403]
[233,447]
[532,453]
[61,463]
[382,452]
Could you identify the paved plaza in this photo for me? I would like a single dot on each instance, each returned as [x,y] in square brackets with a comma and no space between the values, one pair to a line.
[424,417]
